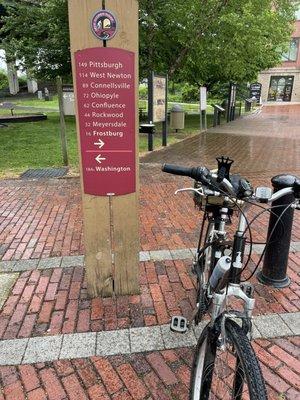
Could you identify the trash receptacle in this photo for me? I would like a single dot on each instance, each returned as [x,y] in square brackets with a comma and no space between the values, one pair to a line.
[150,130]
[177,118]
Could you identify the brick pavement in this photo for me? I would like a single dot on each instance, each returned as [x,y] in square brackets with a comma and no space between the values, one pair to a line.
[49,348]
[156,375]
[43,219]
[55,301]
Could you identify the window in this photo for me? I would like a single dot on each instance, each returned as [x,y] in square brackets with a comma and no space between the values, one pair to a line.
[292,53]
[297,14]
[281,88]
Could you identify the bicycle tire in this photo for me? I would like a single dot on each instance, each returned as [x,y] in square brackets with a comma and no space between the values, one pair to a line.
[205,386]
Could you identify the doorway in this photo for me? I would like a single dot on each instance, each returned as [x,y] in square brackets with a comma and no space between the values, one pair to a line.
[281,88]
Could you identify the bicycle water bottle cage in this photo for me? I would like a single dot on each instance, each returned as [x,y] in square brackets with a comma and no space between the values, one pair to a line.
[224,165]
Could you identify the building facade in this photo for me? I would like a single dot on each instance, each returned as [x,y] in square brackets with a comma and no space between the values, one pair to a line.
[282,83]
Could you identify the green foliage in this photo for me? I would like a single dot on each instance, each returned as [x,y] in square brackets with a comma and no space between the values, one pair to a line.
[143,92]
[199,42]
[219,91]
[3,80]
[38,35]
[204,42]
[22,80]
[190,93]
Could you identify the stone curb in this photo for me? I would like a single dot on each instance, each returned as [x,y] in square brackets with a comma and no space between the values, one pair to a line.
[78,261]
[128,341]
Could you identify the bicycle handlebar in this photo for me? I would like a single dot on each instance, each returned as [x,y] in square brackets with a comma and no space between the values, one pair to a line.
[241,190]
[200,174]
[177,170]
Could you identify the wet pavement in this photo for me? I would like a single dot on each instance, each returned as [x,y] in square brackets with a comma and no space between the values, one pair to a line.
[264,143]
[43,218]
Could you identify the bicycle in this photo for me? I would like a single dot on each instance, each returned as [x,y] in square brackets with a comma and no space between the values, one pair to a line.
[225,365]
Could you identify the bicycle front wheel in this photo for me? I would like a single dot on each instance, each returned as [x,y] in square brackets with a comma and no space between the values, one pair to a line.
[226,372]
[203,272]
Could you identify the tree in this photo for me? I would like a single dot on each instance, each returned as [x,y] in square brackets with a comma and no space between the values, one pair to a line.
[214,41]
[37,33]
[196,41]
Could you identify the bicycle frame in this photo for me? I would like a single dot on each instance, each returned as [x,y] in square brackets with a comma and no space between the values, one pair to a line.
[233,288]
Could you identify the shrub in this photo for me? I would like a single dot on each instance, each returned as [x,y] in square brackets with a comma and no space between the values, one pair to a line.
[143,92]
[190,93]
[3,80]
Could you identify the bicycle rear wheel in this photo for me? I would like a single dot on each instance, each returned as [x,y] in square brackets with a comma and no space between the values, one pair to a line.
[229,374]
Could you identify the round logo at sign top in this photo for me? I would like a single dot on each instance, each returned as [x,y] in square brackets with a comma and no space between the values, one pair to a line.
[104,25]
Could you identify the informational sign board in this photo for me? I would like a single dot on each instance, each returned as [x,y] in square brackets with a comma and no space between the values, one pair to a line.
[158,102]
[232,95]
[255,91]
[106,111]
[203,98]
[159,84]
[104,49]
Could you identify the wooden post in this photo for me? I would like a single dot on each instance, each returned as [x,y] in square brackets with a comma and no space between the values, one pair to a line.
[111,220]
[62,121]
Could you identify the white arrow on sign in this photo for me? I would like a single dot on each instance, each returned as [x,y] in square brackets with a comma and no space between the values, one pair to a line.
[99,159]
[100,144]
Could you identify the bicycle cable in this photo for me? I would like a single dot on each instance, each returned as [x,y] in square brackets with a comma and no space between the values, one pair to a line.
[259,214]
[233,199]
[267,243]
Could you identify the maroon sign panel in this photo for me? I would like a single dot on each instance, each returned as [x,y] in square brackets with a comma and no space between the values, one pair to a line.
[106,110]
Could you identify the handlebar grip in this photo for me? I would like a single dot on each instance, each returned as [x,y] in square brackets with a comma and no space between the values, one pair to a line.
[177,170]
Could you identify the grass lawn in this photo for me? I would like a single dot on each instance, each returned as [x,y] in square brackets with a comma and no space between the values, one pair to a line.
[37,144]
[34,102]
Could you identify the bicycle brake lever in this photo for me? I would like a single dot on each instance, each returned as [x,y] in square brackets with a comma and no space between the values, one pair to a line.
[200,193]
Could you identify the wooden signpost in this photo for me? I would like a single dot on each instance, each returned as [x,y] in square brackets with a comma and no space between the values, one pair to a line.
[104,47]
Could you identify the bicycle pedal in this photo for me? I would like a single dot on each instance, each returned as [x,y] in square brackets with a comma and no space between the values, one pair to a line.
[179,324]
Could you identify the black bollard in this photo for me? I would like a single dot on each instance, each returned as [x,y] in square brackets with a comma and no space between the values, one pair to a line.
[150,141]
[277,252]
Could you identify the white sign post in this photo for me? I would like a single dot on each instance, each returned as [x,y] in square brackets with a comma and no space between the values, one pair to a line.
[203,107]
